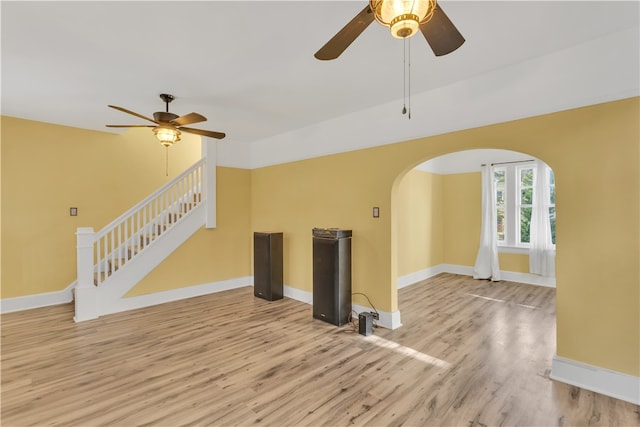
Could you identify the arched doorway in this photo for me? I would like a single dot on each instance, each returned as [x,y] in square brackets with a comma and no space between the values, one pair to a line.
[493,333]
[437,210]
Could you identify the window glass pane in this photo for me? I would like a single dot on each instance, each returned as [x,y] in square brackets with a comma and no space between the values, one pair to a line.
[525,224]
[499,176]
[552,202]
[526,196]
[526,177]
[552,187]
[500,219]
[552,219]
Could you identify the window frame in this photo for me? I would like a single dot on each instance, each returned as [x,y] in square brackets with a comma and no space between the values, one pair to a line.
[512,214]
[503,188]
[520,205]
[552,203]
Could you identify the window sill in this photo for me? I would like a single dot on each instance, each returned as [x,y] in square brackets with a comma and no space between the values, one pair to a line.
[513,250]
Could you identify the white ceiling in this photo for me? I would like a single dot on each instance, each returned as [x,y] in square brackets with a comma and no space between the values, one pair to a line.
[470,161]
[249,66]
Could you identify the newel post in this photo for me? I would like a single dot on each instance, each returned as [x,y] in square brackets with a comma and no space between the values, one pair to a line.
[86,295]
[210,156]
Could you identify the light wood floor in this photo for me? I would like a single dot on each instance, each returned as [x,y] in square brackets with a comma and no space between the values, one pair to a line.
[470,353]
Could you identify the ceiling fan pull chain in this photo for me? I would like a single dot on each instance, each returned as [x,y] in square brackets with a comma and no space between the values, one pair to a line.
[404,76]
[409,77]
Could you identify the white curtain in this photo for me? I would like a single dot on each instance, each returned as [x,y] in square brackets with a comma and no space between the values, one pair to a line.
[542,254]
[487,260]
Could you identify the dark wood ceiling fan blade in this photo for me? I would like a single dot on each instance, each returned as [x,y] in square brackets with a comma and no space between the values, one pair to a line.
[131,126]
[189,119]
[334,47]
[124,110]
[210,134]
[441,34]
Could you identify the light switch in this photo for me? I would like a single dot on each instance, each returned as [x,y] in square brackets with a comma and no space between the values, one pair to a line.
[376,212]
[73,211]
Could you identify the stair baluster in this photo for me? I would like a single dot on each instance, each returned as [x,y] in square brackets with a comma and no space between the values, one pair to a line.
[120,241]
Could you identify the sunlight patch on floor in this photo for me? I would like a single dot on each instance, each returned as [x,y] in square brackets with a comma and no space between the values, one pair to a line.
[499,300]
[529,306]
[407,351]
[487,298]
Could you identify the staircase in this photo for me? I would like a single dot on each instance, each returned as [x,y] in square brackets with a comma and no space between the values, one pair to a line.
[125,249]
[114,259]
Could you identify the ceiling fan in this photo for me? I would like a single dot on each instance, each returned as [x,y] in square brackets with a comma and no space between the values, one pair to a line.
[403,18]
[168,126]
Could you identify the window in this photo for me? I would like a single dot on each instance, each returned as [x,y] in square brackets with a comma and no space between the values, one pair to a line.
[524,203]
[501,191]
[552,204]
[514,186]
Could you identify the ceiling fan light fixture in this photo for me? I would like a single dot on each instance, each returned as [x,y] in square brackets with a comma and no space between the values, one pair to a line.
[402,17]
[167,135]
[404,26]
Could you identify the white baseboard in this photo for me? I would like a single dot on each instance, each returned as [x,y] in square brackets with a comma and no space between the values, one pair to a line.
[418,276]
[463,270]
[600,380]
[298,294]
[8,305]
[131,303]
[389,320]
[510,276]
[529,279]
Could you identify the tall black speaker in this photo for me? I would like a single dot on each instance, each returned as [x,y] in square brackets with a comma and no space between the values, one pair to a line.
[267,265]
[332,275]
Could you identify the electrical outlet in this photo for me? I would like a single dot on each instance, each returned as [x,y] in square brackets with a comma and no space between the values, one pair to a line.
[375,315]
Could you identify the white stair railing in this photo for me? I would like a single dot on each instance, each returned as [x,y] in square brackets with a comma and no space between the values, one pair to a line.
[128,235]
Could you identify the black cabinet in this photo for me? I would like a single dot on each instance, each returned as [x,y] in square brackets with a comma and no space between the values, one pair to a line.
[332,275]
[267,265]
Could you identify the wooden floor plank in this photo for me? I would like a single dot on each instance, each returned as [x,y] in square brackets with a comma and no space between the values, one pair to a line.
[469,353]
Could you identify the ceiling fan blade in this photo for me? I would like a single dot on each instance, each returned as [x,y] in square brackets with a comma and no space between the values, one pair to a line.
[131,126]
[441,34]
[189,119]
[124,110]
[334,47]
[210,134]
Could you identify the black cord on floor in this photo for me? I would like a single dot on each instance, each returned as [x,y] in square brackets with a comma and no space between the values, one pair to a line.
[354,320]
[371,304]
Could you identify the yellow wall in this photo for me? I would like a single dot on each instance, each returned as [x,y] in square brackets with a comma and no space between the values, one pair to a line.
[463,218]
[594,152]
[216,254]
[420,222]
[46,169]
[0,215]
[518,263]
[598,298]
[328,192]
